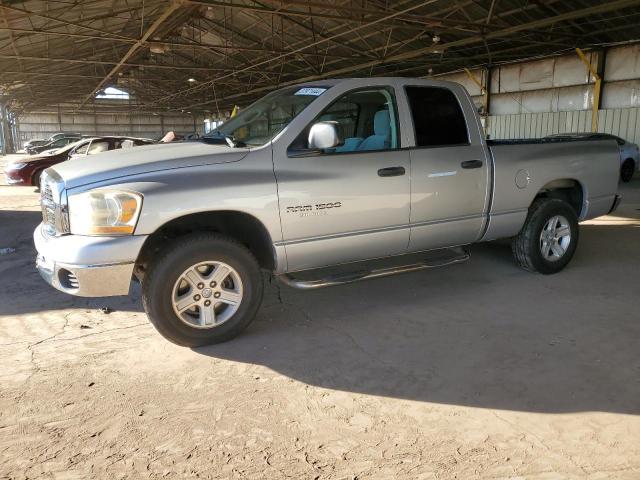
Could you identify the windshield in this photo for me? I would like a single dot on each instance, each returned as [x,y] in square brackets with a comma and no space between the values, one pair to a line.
[70,146]
[263,120]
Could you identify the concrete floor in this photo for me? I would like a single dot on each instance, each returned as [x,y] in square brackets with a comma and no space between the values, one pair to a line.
[479,370]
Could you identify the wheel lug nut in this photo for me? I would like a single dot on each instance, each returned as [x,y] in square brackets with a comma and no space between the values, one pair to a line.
[201,285]
[207,303]
[216,295]
[196,297]
[212,284]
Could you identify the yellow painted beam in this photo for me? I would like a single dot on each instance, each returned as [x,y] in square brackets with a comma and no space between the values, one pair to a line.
[596,89]
[484,91]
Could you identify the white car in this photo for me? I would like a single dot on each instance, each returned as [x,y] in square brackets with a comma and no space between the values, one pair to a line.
[629,152]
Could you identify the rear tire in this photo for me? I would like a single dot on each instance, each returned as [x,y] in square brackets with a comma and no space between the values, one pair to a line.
[189,289]
[548,238]
[626,170]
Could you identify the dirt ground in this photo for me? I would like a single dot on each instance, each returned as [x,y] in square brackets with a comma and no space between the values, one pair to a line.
[479,370]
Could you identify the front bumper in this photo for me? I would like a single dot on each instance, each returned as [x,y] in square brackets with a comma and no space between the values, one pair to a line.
[14,177]
[87,266]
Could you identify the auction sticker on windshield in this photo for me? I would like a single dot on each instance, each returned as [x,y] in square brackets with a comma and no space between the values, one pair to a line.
[311,91]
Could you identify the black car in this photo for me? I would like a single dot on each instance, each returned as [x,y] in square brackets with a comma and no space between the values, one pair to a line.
[59,141]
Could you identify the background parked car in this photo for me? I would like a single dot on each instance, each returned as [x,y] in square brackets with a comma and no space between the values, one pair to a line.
[37,142]
[178,137]
[59,142]
[27,170]
[629,152]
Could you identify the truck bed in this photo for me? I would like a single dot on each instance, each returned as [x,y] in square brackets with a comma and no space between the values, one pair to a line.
[524,168]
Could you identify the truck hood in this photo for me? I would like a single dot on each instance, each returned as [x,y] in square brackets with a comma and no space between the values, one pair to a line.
[136,160]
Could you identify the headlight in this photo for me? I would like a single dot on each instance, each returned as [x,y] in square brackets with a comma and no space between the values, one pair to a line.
[104,212]
[16,166]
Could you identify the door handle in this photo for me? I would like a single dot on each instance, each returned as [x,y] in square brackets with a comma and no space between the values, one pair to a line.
[471,164]
[391,172]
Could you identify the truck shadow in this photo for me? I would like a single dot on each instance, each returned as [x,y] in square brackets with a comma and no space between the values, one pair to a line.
[485,334]
[22,290]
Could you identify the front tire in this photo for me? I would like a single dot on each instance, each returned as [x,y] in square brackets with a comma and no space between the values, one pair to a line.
[548,238]
[626,170]
[202,289]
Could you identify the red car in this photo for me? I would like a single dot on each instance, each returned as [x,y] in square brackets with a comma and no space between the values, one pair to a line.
[27,170]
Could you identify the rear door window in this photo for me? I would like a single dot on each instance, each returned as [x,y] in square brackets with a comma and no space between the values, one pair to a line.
[82,149]
[98,146]
[438,119]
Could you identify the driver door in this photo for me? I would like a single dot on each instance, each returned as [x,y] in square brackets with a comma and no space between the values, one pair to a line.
[351,202]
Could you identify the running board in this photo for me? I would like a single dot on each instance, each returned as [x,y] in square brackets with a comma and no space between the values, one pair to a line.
[462,255]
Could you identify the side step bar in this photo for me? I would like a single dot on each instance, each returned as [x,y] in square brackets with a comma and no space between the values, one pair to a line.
[364,274]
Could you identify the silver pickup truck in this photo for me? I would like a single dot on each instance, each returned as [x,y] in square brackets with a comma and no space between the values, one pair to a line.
[319,184]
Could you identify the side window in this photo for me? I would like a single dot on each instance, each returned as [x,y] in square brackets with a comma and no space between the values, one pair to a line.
[125,143]
[346,114]
[82,149]
[366,118]
[437,117]
[98,146]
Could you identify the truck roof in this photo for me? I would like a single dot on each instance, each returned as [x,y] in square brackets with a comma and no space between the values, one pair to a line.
[336,81]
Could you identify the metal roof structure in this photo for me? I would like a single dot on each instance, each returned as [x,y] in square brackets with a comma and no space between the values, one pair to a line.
[206,56]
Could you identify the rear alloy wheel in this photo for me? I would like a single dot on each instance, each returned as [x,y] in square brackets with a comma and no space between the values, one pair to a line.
[627,169]
[555,238]
[548,238]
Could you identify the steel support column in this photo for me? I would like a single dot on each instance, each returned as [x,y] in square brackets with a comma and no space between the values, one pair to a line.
[596,89]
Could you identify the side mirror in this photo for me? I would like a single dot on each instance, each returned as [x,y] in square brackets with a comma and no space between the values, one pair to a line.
[325,135]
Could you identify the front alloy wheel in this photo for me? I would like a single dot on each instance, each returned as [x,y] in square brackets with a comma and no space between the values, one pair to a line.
[201,289]
[207,294]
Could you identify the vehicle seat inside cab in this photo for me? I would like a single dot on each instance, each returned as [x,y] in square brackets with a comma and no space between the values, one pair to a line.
[381,133]
[350,144]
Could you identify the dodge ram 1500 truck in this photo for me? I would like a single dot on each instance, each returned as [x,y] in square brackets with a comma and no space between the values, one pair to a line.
[320,184]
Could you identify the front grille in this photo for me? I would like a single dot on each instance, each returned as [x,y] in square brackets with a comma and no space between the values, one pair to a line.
[47,194]
[48,205]
[54,210]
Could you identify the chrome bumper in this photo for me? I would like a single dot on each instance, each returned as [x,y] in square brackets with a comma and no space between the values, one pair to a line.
[87,266]
[86,280]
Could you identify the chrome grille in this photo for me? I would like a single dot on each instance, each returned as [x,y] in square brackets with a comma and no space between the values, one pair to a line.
[53,205]
[47,194]
[48,204]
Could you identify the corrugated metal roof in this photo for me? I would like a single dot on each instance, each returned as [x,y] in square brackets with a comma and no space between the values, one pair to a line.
[60,52]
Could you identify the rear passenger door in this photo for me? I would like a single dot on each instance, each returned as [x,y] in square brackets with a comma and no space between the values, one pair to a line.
[449,174]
